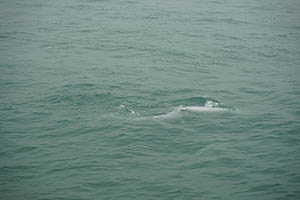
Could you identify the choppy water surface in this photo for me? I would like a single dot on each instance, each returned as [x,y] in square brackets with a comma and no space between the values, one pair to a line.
[116,99]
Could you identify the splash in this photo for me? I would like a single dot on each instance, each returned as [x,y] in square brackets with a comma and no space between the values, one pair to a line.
[127,109]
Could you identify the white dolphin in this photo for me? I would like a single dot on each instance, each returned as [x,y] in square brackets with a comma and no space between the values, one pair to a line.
[208,107]
[200,109]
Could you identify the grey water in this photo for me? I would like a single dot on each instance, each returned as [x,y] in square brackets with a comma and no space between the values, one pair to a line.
[128,99]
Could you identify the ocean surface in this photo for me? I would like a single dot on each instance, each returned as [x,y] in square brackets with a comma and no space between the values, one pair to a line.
[159,99]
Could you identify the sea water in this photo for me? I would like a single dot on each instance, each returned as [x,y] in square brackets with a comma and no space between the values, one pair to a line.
[160,99]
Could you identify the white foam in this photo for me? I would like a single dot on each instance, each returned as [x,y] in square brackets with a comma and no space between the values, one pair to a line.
[129,110]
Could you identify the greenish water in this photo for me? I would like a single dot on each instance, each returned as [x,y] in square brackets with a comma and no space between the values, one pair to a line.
[133,99]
